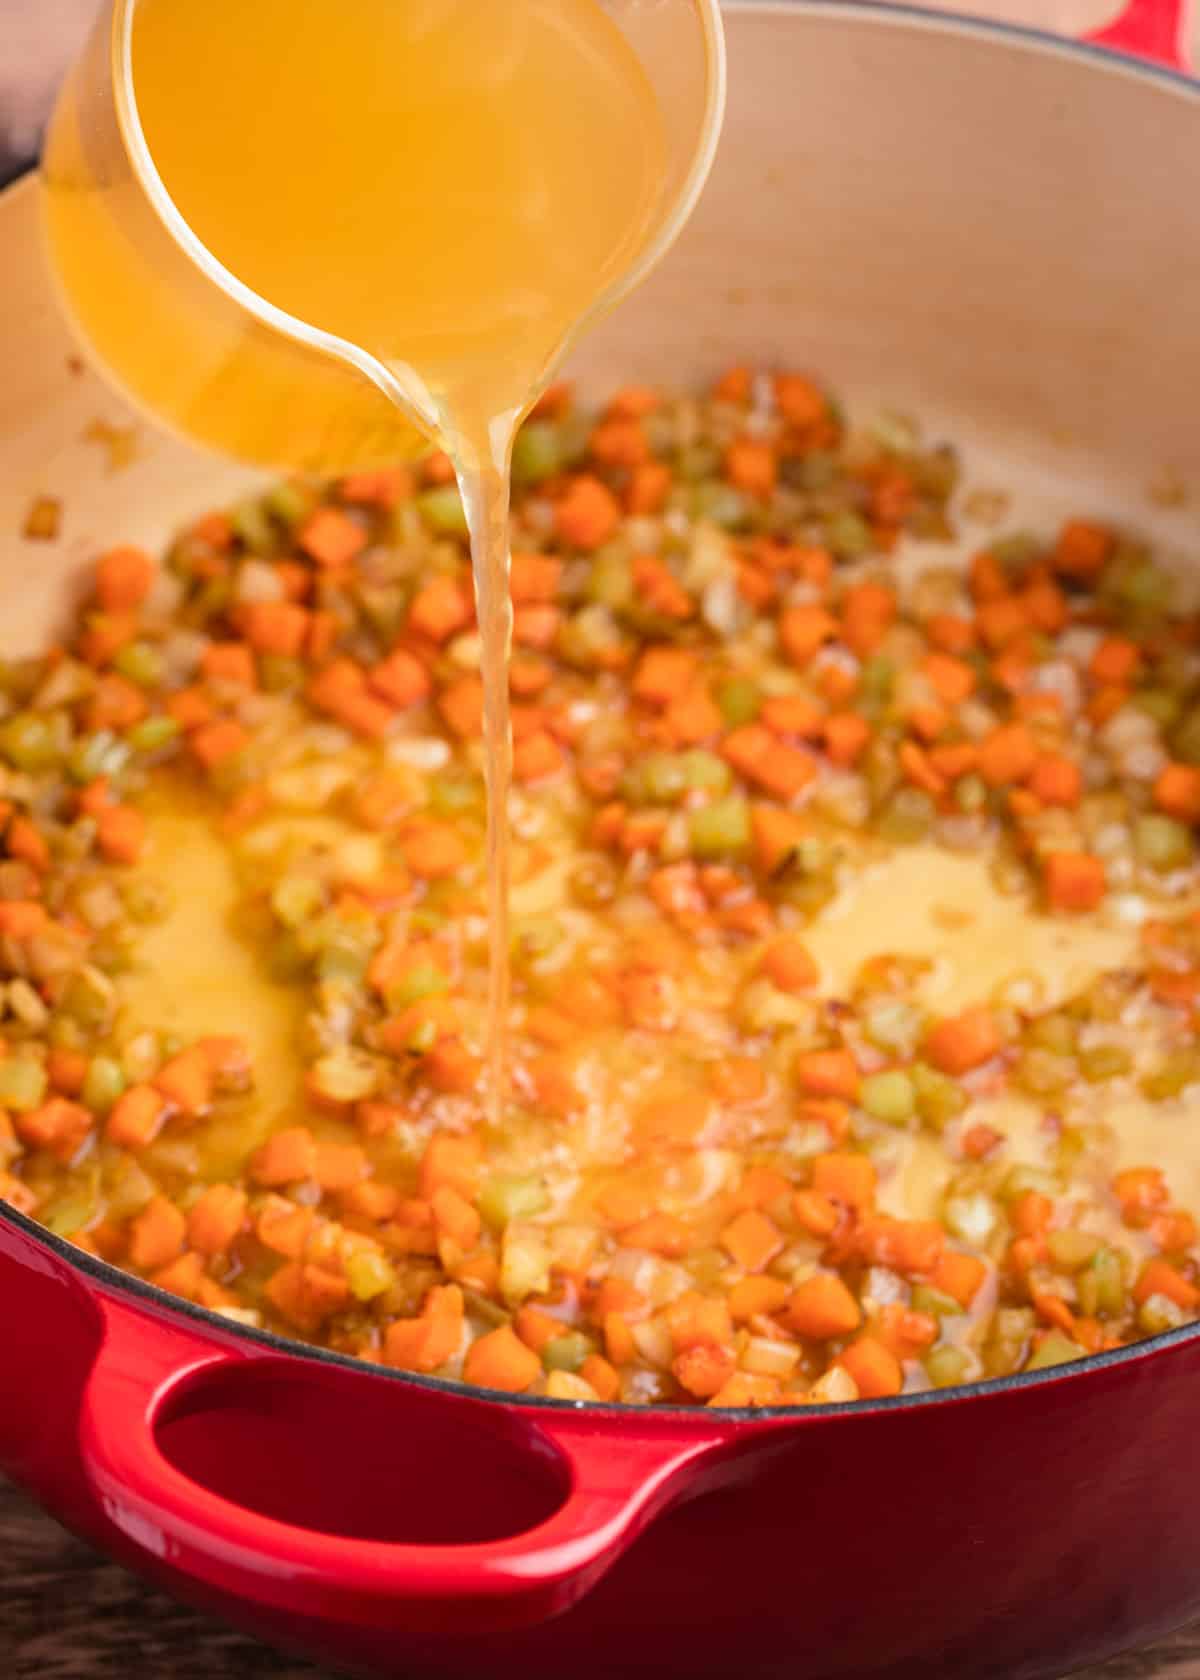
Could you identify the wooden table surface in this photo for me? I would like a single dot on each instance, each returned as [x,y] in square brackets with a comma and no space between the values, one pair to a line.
[67,1614]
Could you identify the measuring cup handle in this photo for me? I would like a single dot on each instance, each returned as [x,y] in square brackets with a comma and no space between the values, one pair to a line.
[1155,30]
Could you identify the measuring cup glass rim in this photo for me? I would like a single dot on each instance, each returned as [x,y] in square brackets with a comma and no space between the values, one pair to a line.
[290,326]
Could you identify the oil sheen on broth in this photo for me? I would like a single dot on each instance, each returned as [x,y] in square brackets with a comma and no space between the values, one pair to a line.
[450,187]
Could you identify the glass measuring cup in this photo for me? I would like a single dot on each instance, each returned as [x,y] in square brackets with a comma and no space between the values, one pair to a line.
[183,337]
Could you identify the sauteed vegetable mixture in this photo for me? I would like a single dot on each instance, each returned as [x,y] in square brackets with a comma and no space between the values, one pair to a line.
[855,965]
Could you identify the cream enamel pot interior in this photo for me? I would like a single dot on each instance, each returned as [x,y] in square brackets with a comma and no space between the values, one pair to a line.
[998,232]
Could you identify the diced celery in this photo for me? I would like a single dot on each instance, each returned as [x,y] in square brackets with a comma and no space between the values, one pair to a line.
[22,1083]
[888,1096]
[721,829]
[443,511]
[566,1352]
[503,1199]
[1162,843]
[141,662]
[537,452]
[1054,1349]
[947,1366]
[151,734]
[103,1083]
[739,701]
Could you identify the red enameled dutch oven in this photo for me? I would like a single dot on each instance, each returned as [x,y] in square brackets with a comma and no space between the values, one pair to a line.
[1001,230]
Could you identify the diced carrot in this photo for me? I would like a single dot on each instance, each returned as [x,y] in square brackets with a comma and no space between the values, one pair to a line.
[190,708]
[961,1276]
[380,487]
[767,762]
[752,466]
[287,1157]
[751,1239]
[59,1126]
[828,1073]
[501,1360]
[537,757]
[754,1297]
[26,842]
[230,662]
[435,850]
[619,442]
[804,630]
[216,1220]
[331,537]
[846,737]
[1073,880]
[733,386]
[659,588]
[663,674]
[461,705]
[648,488]
[951,632]
[440,609]
[182,1277]
[703,1371]
[212,743]
[1115,661]
[186,1081]
[156,1235]
[602,1376]
[450,1066]
[400,679]
[914,762]
[801,402]
[1159,1277]
[1177,792]
[875,1369]
[953,679]
[66,1070]
[339,1166]
[788,964]
[1082,549]
[737,1081]
[1058,781]
[696,1320]
[121,833]
[1001,621]
[366,1200]
[792,714]
[816,1212]
[21,918]
[660,1233]
[1030,1213]
[451,1160]
[822,1308]
[455,1217]
[276,627]
[124,577]
[1007,756]
[136,1118]
[962,1042]
[587,514]
[905,1331]
[285,1227]
[902,1245]
[777,835]
[305,1295]
[1140,1191]
[979,1140]
[846,1178]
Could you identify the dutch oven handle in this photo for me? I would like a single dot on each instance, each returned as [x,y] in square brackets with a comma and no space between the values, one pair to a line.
[611,1481]
[1150,29]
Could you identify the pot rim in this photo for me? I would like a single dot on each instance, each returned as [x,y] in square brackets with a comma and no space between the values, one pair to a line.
[883,14]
